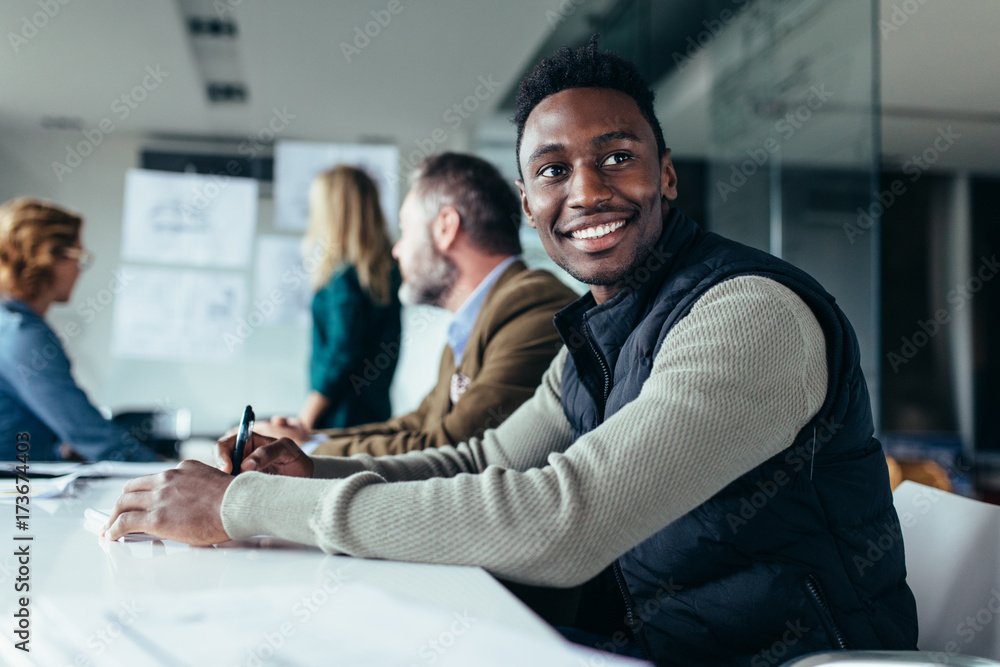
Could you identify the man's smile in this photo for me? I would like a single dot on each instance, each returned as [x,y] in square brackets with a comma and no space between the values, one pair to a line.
[598,232]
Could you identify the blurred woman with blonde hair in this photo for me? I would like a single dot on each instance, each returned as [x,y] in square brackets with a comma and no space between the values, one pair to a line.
[41,257]
[356,318]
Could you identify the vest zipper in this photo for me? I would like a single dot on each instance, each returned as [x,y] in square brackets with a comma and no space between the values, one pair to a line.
[604,368]
[634,626]
[814,590]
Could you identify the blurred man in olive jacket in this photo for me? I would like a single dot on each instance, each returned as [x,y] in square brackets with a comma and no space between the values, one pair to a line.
[458,250]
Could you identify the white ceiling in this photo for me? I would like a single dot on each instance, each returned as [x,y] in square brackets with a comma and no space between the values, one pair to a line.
[941,68]
[429,57]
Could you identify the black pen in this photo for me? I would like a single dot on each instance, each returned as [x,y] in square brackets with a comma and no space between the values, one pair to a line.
[246,428]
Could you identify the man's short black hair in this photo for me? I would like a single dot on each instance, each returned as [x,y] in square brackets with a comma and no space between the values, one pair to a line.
[485,201]
[586,67]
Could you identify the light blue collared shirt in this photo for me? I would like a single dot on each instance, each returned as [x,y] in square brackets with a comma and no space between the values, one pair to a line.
[465,317]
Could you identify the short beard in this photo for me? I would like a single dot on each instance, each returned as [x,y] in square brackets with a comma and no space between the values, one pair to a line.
[612,276]
[434,279]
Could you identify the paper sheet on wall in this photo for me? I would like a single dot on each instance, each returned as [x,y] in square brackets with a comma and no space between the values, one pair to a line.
[296,164]
[179,315]
[193,219]
[282,282]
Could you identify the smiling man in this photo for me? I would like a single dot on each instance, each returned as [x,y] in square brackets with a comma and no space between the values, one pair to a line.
[700,452]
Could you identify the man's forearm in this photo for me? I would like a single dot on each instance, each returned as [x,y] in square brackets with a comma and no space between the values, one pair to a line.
[737,380]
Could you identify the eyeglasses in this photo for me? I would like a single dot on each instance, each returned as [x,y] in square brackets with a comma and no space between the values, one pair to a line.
[84,258]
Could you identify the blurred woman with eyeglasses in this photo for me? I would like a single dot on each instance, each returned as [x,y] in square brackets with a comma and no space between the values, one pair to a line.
[41,257]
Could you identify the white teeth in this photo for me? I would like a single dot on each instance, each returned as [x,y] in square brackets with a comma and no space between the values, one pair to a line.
[596,232]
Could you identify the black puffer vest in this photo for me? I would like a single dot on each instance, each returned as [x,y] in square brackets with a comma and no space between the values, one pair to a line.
[801,554]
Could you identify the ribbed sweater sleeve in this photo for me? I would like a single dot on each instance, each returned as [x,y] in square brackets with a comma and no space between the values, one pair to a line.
[733,383]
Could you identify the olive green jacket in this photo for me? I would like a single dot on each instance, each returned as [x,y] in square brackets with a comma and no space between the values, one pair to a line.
[511,345]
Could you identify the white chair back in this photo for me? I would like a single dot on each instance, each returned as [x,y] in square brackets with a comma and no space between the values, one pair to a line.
[953,567]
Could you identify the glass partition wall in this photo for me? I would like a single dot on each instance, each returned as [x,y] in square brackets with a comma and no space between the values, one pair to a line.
[793,146]
[778,100]
[771,110]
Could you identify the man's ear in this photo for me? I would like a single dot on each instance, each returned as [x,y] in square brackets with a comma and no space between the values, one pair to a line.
[445,228]
[668,177]
[524,203]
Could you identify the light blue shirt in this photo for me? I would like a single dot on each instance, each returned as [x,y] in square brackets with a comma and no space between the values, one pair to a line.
[465,317]
[38,396]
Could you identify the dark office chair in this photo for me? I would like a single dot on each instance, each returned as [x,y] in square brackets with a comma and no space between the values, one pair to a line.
[160,430]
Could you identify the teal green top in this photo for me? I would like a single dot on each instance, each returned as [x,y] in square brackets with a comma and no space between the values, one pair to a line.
[355,347]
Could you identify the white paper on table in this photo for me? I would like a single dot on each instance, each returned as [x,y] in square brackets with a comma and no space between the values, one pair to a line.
[282,281]
[95,469]
[353,624]
[297,163]
[952,566]
[45,487]
[179,315]
[125,468]
[43,467]
[193,219]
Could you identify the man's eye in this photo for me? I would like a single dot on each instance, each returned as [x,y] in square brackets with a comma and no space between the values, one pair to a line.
[617,158]
[552,171]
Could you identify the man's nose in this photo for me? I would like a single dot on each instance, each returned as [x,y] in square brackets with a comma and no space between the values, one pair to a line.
[587,188]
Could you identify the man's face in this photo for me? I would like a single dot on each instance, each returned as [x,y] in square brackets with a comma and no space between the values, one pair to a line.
[428,275]
[594,186]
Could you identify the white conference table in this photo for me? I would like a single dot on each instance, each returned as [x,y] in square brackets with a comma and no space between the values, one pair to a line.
[256,602]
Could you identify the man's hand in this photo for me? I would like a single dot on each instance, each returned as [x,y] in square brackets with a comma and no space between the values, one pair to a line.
[183,504]
[224,450]
[284,427]
[281,457]
[264,454]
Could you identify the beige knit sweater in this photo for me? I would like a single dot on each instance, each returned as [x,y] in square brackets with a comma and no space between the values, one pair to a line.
[732,384]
